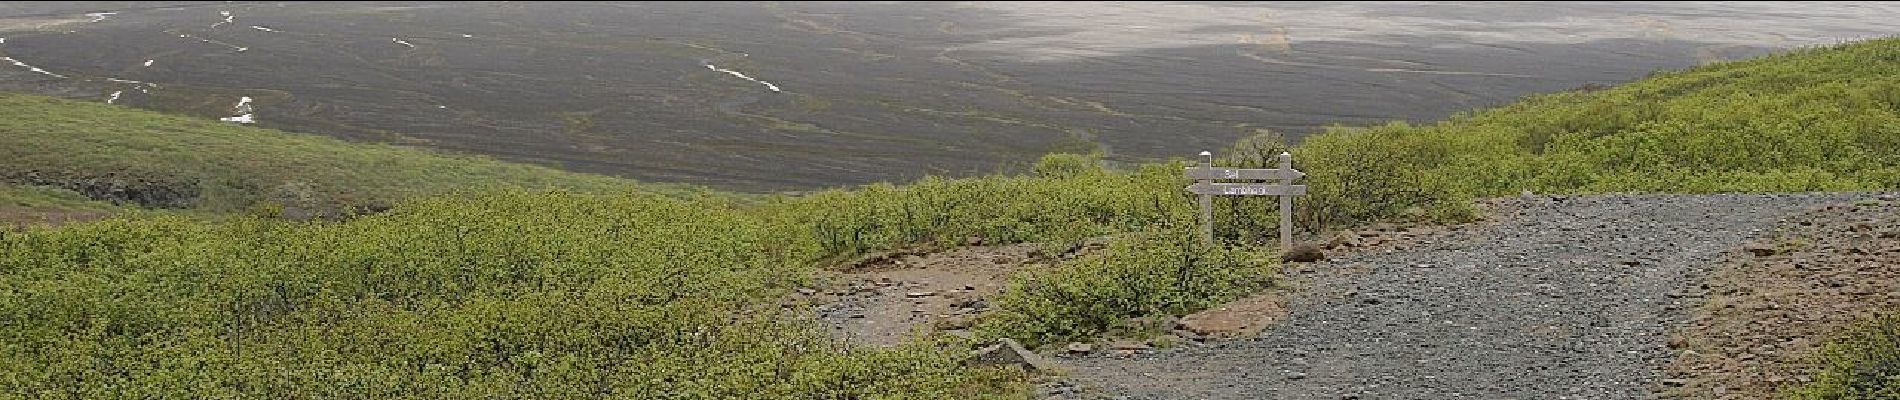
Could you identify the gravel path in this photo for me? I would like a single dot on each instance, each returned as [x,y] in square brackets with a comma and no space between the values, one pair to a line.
[1555,298]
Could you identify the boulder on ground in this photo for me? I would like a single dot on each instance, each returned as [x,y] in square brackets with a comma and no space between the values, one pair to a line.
[1008,352]
[1304,252]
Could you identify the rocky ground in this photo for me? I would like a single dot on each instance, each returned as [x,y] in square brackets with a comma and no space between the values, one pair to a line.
[1769,307]
[1552,298]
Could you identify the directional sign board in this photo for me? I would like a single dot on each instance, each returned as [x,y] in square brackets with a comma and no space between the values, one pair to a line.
[1205,187]
[1247,189]
[1237,173]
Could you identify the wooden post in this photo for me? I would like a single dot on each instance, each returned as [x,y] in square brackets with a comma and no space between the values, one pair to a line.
[1207,200]
[1286,206]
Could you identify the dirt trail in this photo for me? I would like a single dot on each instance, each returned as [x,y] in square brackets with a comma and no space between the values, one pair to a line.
[1554,298]
[883,301]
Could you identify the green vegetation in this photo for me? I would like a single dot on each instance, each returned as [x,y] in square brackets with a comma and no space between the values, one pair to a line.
[1079,201]
[1813,119]
[509,294]
[1144,274]
[34,205]
[164,161]
[522,293]
[49,199]
[1863,363]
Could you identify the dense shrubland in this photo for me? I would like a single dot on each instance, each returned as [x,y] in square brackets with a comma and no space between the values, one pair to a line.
[1861,363]
[506,294]
[525,294]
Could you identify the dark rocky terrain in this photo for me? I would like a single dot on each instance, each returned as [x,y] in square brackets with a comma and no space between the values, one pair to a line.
[772,96]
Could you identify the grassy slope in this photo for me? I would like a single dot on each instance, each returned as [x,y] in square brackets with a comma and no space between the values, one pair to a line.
[46,198]
[33,205]
[180,161]
[558,295]
[1816,119]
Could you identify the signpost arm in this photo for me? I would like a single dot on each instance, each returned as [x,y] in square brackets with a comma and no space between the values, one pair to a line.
[1286,207]
[1207,200]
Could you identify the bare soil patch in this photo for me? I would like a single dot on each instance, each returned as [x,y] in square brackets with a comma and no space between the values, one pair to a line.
[886,298]
[1772,303]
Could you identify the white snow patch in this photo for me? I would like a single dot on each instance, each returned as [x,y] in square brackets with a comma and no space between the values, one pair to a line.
[132,82]
[30,68]
[768,85]
[227,18]
[467,35]
[402,42]
[244,110]
[99,16]
[262,28]
[115,96]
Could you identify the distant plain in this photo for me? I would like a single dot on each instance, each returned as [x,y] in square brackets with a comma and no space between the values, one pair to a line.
[790,96]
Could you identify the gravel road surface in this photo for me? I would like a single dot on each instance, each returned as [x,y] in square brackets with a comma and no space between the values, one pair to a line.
[1553,298]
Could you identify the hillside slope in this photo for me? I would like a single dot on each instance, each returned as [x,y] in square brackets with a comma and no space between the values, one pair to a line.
[1814,119]
[524,294]
[164,161]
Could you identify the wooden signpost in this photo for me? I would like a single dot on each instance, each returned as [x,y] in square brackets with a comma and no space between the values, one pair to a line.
[1204,185]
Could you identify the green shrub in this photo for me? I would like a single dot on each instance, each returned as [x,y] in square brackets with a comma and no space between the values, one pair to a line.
[1863,363]
[510,294]
[1066,165]
[1142,274]
[996,209]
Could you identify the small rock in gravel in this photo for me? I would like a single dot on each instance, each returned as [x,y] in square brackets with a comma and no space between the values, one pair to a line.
[1081,348]
[1304,252]
[919,295]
